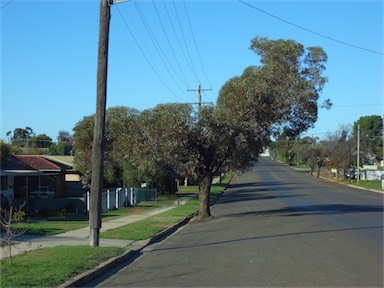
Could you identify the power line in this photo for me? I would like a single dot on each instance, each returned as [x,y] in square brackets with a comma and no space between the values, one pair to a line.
[169,44]
[6,4]
[145,56]
[185,43]
[308,30]
[157,46]
[356,105]
[194,41]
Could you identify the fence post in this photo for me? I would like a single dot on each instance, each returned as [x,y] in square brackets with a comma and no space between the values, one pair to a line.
[132,201]
[126,196]
[117,197]
[87,200]
[108,199]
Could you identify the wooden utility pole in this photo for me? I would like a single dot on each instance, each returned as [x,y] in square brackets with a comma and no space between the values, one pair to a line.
[199,103]
[358,153]
[99,128]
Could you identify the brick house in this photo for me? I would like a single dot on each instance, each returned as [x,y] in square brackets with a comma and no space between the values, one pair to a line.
[21,175]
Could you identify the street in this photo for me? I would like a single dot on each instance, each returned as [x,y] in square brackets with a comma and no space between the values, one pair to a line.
[273,227]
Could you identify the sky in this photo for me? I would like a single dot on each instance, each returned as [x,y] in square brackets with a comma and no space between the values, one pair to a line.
[160,49]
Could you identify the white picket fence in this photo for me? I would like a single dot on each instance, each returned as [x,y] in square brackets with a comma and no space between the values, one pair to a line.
[122,197]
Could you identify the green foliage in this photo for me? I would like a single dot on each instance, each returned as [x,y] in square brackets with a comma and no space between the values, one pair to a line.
[41,141]
[371,140]
[169,141]
[21,136]
[5,151]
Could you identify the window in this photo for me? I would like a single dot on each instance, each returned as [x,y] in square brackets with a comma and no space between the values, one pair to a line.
[4,182]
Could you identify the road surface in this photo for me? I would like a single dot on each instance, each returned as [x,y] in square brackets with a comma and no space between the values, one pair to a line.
[274,227]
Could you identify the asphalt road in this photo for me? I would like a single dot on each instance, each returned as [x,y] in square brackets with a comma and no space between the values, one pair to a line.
[274,226]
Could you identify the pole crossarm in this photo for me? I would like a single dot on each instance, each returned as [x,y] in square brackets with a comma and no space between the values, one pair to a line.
[113,2]
[199,89]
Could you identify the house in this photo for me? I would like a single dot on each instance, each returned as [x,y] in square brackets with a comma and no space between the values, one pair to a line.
[23,175]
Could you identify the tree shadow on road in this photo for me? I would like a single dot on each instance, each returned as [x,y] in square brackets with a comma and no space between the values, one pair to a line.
[314,210]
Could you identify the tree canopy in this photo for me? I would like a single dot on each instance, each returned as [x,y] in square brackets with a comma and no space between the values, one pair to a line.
[170,140]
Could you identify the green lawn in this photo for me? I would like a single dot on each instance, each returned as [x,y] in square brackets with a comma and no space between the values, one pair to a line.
[50,267]
[368,184]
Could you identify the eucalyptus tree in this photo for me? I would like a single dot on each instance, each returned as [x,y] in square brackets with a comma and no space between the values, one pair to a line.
[21,136]
[162,143]
[121,128]
[279,96]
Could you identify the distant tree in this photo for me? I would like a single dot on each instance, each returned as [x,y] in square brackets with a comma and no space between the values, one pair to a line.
[308,151]
[64,136]
[41,141]
[5,150]
[340,150]
[64,144]
[371,140]
[21,136]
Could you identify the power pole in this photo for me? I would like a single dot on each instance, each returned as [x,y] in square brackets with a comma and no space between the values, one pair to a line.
[98,147]
[358,153]
[199,103]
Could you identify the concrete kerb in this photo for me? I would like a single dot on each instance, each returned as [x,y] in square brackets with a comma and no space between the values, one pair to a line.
[350,185]
[137,247]
[342,183]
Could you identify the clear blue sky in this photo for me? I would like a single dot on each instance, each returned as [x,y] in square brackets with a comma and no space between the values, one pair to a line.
[49,53]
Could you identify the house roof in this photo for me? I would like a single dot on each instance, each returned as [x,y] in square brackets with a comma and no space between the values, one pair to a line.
[14,163]
[27,164]
[14,166]
[38,162]
[65,160]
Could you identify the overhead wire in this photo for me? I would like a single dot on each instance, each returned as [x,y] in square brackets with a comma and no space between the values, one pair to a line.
[195,43]
[145,56]
[309,30]
[192,67]
[6,4]
[158,48]
[170,45]
[162,54]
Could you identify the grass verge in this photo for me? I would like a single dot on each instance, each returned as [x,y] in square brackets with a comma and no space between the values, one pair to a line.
[48,226]
[50,267]
[149,227]
[367,184]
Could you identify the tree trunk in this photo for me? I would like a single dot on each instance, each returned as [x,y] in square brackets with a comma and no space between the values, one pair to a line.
[205,183]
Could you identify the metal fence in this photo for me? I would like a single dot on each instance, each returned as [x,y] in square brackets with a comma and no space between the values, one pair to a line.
[116,198]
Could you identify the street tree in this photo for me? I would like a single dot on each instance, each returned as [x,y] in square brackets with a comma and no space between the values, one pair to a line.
[121,130]
[280,96]
[166,129]
[308,151]
[339,150]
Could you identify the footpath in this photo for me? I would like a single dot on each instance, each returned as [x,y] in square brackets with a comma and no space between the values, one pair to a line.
[26,243]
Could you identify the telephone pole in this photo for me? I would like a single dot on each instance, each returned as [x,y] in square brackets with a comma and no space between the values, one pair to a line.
[98,147]
[199,103]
